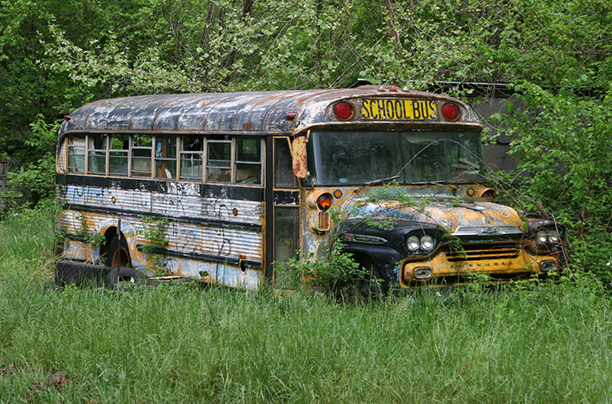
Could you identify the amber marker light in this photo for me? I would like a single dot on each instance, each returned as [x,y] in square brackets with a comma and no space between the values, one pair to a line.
[343,110]
[488,193]
[324,202]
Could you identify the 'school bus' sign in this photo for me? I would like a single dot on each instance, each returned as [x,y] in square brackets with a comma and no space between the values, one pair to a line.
[394,109]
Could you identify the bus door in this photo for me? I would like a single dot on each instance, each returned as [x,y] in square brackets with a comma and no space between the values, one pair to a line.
[284,209]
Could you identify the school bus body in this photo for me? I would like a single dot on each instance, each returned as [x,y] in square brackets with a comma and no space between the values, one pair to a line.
[234,179]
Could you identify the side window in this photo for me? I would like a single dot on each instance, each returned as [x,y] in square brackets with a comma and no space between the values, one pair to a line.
[141,156]
[248,160]
[283,165]
[219,159]
[192,158]
[165,157]
[96,153]
[118,155]
[76,154]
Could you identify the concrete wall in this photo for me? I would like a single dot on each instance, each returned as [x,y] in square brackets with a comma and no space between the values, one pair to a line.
[494,154]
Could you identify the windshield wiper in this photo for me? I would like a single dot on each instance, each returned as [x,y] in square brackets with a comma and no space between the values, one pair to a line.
[382,180]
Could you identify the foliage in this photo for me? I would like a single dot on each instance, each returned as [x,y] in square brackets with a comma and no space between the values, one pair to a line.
[35,179]
[337,273]
[155,233]
[563,142]
[547,342]
[56,56]
[86,235]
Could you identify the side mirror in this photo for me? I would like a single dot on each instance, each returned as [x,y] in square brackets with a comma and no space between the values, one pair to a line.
[298,155]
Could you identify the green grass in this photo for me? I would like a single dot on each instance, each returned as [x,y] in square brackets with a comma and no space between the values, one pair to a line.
[192,344]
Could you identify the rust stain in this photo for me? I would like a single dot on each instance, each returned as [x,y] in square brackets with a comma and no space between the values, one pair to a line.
[298,151]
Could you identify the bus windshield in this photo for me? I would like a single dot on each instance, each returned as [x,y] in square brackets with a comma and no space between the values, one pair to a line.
[408,157]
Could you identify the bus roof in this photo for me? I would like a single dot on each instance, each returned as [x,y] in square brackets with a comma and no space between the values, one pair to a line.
[271,112]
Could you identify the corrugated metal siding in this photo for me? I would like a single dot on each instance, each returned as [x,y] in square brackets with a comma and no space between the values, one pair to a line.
[178,206]
[185,237]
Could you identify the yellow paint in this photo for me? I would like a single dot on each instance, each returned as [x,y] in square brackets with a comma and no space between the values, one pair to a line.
[441,267]
[396,109]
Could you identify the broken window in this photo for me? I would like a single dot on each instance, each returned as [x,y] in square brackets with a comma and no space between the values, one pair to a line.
[165,157]
[192,157]
[248,160]
[219,159]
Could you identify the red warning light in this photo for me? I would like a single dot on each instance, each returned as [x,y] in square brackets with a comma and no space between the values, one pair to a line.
[450,111]
[343,110]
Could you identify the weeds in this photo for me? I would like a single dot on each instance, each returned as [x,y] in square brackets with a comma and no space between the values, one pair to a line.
[536,342]
[155,233]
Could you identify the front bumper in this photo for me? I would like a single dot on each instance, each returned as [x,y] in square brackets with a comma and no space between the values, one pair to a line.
[445,268]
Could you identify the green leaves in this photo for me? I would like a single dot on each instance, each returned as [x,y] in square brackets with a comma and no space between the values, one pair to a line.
[563,142]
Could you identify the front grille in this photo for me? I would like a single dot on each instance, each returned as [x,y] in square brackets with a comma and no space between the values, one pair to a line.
[478,252]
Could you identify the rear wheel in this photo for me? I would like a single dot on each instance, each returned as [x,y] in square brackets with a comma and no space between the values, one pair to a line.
[124,277]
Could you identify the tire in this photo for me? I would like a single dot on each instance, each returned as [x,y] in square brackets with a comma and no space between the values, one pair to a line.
[78,273]
[119,253]
[372,285]
[124,276]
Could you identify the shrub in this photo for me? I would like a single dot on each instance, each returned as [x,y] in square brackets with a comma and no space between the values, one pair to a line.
[562,141]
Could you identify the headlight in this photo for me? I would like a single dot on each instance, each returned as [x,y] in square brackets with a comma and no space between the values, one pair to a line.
[547,236]
[413,243]
[425,243]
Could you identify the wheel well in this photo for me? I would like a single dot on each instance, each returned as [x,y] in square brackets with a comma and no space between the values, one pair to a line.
[363,259]
[109,235]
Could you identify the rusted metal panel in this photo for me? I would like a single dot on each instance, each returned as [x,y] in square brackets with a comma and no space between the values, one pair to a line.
[168,204]
[298,155]
[218,241]
[234,112]
[217,273]
[183,238]
[173,204]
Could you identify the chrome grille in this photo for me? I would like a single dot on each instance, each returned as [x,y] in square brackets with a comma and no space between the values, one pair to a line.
[483,252]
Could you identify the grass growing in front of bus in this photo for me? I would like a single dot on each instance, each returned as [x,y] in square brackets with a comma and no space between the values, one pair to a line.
[185,343]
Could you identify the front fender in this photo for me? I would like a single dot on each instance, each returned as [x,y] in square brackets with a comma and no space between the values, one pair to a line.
[384,259]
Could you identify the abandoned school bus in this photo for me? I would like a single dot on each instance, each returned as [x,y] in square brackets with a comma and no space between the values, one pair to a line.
[237,182]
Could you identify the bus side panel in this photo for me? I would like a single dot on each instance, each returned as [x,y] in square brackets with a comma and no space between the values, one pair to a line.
[217,239]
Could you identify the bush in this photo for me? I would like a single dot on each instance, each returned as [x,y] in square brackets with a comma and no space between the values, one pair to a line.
[563,142]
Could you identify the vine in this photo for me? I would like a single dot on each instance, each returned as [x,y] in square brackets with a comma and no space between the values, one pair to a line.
[155,233]
[85,235]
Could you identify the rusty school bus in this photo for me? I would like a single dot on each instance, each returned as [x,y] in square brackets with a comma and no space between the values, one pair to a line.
[240,181]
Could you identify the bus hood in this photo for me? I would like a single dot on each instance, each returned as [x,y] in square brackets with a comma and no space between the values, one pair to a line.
[459,216]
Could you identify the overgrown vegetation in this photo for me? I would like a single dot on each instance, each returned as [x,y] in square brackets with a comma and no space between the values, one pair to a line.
[563,141]
[557,54]
[155,233]
[182,343]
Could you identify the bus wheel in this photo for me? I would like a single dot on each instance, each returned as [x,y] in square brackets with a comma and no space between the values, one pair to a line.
[371,285]
[119,253]
[124,276]
[78,273]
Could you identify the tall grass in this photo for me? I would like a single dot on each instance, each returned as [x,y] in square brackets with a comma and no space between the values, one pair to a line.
[191,344]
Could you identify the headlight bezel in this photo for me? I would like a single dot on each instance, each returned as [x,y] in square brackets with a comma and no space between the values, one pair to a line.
[547,236]
[420,243]
[545,241]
